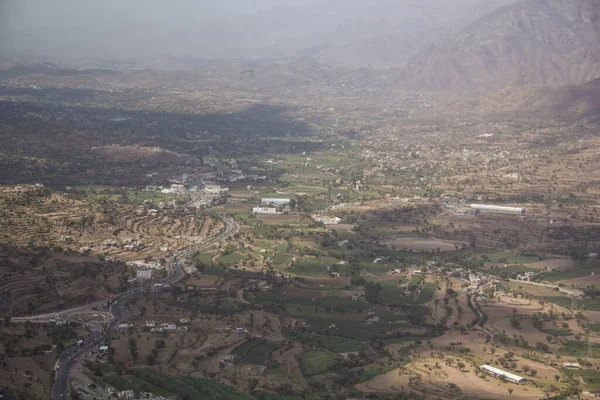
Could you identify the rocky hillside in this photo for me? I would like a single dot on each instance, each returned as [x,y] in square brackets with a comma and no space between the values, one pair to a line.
[532,42]
[566,104]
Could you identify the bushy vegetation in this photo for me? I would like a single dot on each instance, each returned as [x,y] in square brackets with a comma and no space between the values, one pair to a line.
[315,362]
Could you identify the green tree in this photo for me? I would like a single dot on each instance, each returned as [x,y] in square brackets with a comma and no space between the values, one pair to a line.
[372,291]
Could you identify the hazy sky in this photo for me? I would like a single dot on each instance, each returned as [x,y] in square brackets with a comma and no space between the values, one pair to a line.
[211,28]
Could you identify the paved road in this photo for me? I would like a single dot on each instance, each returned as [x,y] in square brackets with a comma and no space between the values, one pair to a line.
[69,357]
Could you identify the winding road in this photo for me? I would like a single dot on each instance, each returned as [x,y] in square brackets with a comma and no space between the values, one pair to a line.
[70,356]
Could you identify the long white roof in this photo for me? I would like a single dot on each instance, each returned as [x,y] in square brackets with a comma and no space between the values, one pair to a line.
[502,372]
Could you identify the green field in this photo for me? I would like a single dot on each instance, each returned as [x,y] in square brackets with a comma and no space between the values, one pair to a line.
[427,293]
[579,349]
[255,351]
[588,304]
[259,354]
[579,271]
[317,362]
[204,258]
[505,258]
[241,350]
[372,373]
[188,387]
[337,345]
[590,377]
[593,327]
[416,280]
[230,259]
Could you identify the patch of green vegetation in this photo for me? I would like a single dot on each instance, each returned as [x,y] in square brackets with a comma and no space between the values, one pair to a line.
[372,373]
[230,259]
[591,377]
[579,271]
[587,304]
[204,258]
[579,349]
[189,387]
[505,258]
[259,354]
[100,368]
[416,280]
[593,327]
[337,345]
[241,350]
[255,351]
[557,332]
[427,293]
[317,362]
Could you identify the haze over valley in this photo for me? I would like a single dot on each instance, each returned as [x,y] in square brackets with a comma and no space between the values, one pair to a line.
[299,199]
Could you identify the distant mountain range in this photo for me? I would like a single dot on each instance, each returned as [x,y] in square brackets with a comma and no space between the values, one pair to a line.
[531,42]
[430,45]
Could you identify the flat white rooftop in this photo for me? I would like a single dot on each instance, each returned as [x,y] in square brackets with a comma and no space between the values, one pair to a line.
[501,372]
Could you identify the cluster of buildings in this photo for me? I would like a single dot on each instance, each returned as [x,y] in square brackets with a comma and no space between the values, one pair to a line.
[265,210]
[272,206]
[130,394]
[327,220]
[155,327]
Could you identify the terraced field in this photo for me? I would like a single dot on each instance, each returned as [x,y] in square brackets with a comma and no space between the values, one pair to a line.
[103,227]
[55,244]
[44,280]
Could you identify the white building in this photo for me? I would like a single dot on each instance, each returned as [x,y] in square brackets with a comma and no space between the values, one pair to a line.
[144,273]
[168,327]
[216,190]
[497,372]
[126,394]
[264,210]
[275,202]
[487,207]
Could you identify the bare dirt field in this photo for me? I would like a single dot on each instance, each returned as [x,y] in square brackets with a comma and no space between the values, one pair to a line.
[431,377]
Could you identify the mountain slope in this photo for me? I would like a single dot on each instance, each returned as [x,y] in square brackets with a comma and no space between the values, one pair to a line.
[532,42]
[566,104]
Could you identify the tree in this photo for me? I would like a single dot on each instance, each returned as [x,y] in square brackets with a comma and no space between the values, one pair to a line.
[460,365]
[557,378]
[151,359]
[252,384]
[543,347]
[510,391]
[372,291]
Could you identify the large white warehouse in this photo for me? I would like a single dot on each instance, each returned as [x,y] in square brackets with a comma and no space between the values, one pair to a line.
[498,208]
[497,372]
